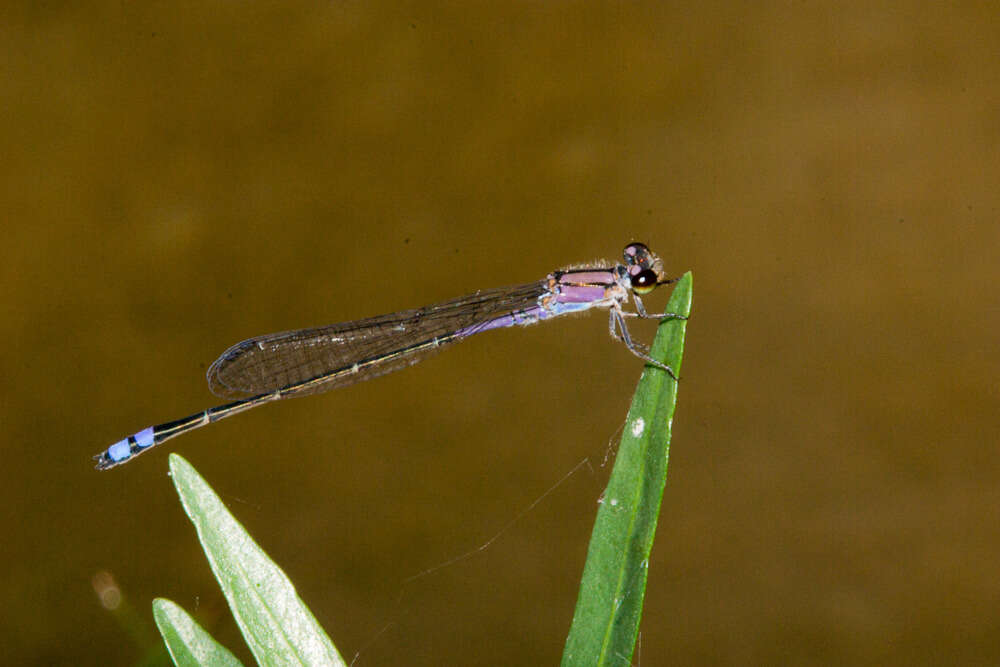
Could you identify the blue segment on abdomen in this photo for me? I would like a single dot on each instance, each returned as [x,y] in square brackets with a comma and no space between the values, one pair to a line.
[144,438]
[119,451]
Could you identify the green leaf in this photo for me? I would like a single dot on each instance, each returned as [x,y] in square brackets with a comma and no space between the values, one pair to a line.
[187,642]
[609,606]
[277,625]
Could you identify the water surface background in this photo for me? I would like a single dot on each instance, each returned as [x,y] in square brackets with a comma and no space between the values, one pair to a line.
[179,176]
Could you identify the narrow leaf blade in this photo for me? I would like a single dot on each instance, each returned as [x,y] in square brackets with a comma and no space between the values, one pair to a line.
[188,643]
[609,606]
[277,625]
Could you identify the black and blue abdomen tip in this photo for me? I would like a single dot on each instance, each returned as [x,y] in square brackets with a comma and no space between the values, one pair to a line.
[125,449]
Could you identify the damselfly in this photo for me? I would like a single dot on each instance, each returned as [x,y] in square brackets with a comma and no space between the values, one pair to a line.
[309,361]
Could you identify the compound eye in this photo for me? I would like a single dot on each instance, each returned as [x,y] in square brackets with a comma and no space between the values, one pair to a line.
[637,254]
[644,282]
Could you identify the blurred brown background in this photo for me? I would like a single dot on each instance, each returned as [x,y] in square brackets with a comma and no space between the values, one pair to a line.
[177,177]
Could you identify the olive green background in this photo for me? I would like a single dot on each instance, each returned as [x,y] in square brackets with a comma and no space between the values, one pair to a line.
[179,176]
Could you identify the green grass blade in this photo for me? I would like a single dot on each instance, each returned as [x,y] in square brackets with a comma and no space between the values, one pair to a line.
[188,643]
[277,626]
[609,606]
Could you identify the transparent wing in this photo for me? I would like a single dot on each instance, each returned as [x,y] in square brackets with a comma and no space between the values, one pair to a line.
[284,360]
